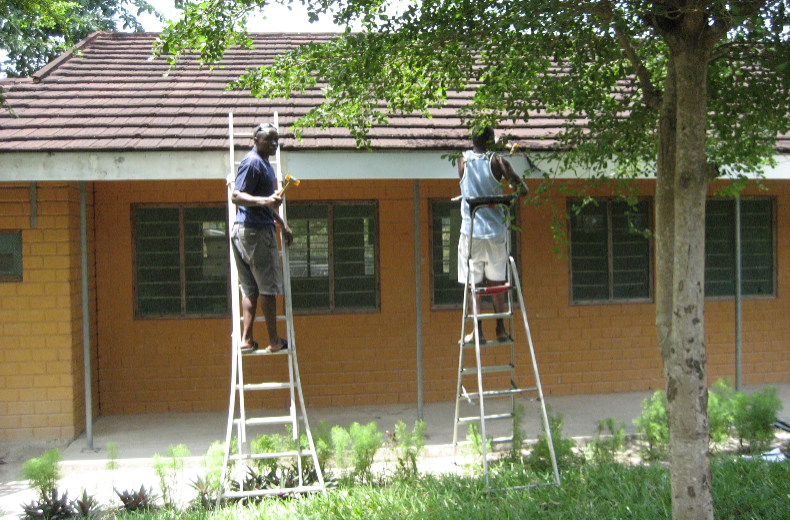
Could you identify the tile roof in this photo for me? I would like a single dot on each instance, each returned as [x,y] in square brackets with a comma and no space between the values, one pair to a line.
[111,97]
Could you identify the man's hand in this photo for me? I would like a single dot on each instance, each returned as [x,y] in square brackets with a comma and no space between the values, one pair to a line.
[287,234]
[272,202]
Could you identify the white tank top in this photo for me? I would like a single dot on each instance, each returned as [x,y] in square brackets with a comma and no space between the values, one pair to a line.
[478,181]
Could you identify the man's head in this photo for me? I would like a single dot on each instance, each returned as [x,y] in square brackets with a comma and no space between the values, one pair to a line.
[266,139]
[483,137]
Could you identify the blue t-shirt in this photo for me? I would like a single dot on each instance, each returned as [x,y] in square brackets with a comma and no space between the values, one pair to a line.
[256,177]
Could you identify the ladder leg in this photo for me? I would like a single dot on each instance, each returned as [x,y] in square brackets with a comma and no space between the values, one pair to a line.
[479,380]
[546,424]
[460,367]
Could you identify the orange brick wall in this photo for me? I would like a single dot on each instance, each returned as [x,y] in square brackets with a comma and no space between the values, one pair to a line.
[42,392]
[184,365]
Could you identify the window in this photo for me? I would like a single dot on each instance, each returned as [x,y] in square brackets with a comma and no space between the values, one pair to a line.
[445,232]
[610,254]
[333,258]
[757,247]
[10,256]
[181,262]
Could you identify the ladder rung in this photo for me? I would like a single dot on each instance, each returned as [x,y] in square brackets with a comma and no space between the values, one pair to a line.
[497,440]
[493,289]
[280,317]
[490,343]
[263,352]
[487,370]
[277,491]
[266,386]
[476,418]
[490,316]
[272,455]
[283,419]
[498,393]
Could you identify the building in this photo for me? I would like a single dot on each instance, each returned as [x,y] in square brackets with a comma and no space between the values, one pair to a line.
[112,151]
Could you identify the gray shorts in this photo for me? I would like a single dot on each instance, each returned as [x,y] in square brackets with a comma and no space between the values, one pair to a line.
[257,260]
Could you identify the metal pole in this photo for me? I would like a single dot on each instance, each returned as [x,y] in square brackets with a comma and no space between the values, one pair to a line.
[86,319]
[418,296]
[738,293]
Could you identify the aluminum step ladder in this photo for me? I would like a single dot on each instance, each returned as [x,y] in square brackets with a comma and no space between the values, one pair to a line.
[238,387]
[495,352]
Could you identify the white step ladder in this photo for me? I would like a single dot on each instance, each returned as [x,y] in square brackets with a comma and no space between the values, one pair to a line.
[496,350]
[243,456]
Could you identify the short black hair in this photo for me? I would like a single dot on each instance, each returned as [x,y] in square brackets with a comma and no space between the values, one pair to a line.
[483,135]
[263,127]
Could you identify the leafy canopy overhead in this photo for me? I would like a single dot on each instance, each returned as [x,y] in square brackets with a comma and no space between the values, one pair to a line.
[601,65]
[33,32]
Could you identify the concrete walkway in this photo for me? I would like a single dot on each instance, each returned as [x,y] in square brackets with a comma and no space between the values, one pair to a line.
[140,437]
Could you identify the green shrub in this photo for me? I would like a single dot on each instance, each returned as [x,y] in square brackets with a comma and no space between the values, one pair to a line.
[540,457]
[753,418]
[167,469]
[653,427]
[721,398]
[357,445]
[474,446]
[609,440]
[43,472]
[409,446]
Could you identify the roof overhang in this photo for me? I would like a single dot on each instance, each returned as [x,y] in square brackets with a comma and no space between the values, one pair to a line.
[171,165]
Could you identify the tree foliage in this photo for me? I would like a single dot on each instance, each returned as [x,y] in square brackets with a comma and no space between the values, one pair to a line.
[600,65]
[33,32]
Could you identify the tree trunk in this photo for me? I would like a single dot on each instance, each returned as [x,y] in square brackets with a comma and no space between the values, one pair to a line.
[685,361]
[665,211]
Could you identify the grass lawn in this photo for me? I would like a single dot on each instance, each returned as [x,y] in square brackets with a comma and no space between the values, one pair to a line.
[741,489]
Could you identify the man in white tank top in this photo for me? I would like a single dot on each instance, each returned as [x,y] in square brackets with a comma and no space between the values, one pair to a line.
[481,173]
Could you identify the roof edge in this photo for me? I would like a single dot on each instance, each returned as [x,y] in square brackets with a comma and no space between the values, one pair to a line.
[44,71]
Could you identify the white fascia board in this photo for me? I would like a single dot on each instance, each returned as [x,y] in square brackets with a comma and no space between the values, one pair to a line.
[112,166]
[374,165]
[109,166]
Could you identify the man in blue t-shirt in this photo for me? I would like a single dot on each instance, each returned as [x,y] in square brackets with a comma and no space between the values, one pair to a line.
[254,238]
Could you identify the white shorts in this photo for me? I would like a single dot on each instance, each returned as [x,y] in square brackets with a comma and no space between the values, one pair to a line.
[489,256]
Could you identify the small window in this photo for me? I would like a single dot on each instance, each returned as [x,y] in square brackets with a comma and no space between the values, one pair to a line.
[10,256]
[181,262]
[333,258]
[610,252]
[445,233]
[757,247]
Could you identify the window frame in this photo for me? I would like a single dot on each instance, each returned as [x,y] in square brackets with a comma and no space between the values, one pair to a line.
[774,262]
[182,262]
[13,278]
[332,310]
[515,249]
[609,254]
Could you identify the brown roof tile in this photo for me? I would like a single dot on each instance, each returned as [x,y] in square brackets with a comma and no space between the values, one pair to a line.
[112,97]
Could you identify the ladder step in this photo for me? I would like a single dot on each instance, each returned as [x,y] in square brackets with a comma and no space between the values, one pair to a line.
[272,455]
[490,316]
[257,421]
[490,343]
[277,491]
[493,289]
[498,393]
[280,317]
[487,370]
[262,352]
[476,418]
[496,440]
[266,386]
